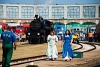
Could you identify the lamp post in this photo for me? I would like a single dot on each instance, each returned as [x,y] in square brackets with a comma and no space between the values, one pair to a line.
[20,33]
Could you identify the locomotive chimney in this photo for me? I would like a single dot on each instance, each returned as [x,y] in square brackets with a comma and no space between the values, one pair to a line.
[36,16]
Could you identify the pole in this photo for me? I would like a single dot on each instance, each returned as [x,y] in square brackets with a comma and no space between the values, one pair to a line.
[20,34]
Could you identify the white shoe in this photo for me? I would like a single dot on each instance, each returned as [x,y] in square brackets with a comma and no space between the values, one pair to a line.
[66,59]
[70,58]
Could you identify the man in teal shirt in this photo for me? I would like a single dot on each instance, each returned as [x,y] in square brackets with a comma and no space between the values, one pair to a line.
[8,42]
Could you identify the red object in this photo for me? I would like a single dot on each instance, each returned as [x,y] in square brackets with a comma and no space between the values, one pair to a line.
[26,25]
[16,28]
[19,30]
[4,25]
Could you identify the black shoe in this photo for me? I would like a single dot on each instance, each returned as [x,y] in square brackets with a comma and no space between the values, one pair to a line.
[70,59]
[66,60]
[53,59]
[50,59]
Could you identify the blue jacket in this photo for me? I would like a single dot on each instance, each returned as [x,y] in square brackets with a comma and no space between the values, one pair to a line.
[8,37]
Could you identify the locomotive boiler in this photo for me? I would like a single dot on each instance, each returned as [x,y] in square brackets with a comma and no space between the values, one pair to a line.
[39,30]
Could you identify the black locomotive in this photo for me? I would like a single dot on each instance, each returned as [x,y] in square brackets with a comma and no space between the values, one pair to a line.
[39,30]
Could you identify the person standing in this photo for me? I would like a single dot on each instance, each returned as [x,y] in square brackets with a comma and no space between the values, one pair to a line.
[67,52]
[52,52]
[90,36]
[8,42]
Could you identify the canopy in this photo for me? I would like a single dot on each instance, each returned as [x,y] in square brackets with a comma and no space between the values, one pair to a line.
[89,23]
[13,24]
[58,23]
[71,23]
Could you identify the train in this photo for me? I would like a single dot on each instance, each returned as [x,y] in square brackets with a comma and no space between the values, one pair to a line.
[91,29]
[39,30]
[18,28]
[97,33]
[95,30]
[60,30]
[21,29]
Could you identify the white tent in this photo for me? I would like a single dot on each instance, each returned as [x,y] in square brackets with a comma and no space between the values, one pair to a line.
[13,24]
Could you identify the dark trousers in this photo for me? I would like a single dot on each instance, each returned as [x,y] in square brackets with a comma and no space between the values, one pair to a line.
[90,39]
[95,39]
[98,39]
[7,55]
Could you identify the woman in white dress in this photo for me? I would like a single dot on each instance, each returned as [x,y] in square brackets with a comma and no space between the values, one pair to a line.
[52,52]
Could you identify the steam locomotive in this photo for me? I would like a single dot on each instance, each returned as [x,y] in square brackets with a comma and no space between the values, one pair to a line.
[39,30]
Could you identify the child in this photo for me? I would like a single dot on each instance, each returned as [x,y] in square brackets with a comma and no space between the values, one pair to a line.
[52,52]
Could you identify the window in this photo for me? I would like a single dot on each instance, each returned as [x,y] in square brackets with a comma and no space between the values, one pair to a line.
[1,11]
[27,12]
[74,29]
[78,29]
[89,11]
[57,12]
[12,12]
[19,27]
[73,11]
[43,11]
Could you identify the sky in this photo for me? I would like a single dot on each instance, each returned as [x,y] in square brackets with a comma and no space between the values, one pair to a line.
[50,1]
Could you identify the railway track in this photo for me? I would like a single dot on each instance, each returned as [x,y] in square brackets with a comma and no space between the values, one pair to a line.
[43,57]
[86,47]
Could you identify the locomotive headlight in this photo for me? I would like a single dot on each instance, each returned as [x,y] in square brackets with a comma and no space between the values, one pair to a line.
[38,33]
[28,33]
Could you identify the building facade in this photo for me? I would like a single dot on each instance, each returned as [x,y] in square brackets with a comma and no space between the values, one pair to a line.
[67,14]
